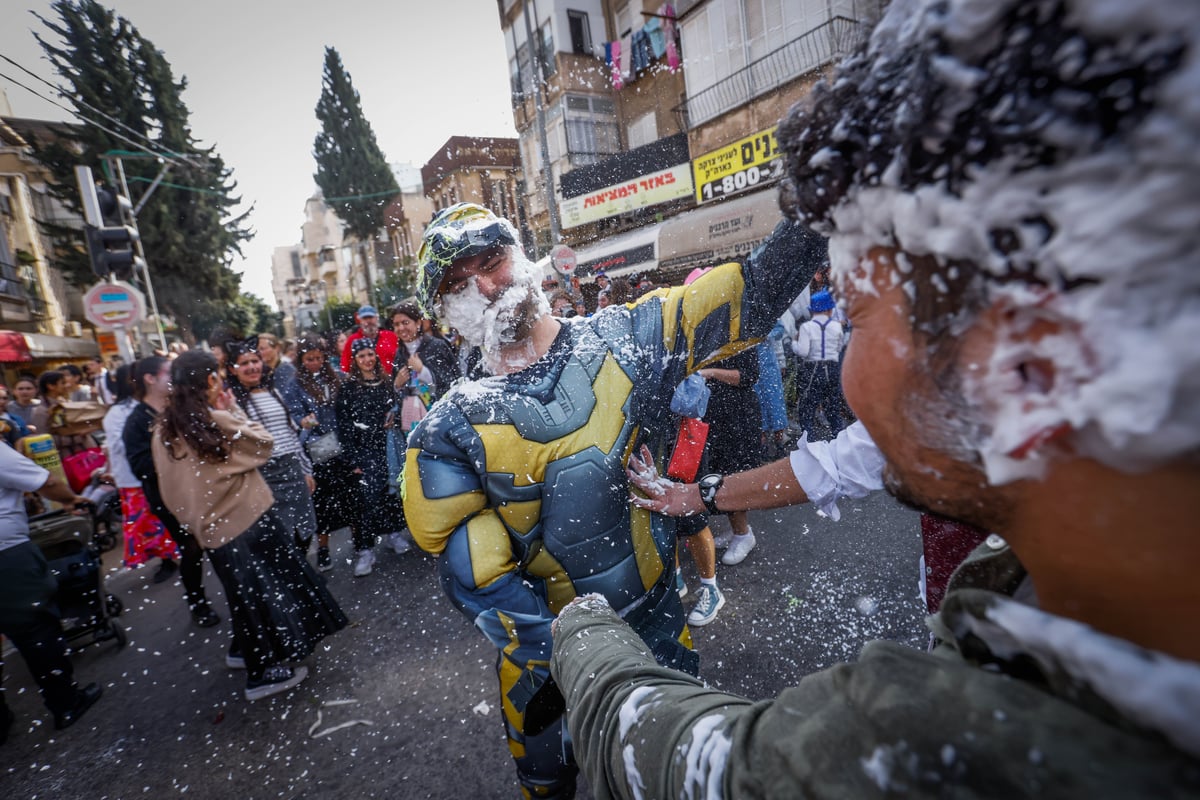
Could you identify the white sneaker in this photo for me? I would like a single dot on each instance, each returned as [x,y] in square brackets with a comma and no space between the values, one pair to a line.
[739,548]
[723,540]
[365,563]
[398,543]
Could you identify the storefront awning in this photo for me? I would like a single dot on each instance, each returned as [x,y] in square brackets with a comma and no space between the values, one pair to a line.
[727,230]
[13,349]
[621,254]
[43,346]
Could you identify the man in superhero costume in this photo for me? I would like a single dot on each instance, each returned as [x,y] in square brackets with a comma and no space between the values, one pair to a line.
[518,480]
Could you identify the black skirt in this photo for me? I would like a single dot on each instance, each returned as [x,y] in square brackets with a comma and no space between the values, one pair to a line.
[293,503]
[338,499]
[279,604]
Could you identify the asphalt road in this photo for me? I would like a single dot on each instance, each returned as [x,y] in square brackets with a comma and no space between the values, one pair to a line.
[418,681]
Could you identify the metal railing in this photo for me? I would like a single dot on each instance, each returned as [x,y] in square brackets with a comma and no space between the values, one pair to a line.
[825,43]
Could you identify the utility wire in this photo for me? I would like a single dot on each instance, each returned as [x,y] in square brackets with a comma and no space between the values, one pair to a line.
[89,107]
[348,198]
[76,113]
[139,179]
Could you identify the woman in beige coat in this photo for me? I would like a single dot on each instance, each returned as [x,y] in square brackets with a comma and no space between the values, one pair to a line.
[207,454]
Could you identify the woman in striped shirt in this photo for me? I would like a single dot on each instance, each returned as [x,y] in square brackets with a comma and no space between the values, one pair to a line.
[288,472]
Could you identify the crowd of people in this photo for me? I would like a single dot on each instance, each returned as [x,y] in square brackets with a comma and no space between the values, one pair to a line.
[571,442]
[239,450]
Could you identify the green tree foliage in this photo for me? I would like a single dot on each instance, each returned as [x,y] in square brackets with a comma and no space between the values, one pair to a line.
[341,310]
[398,285]
[352,171]
[246,315]
[187,228]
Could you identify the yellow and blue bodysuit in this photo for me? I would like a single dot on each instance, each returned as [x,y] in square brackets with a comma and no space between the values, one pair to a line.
[518,481]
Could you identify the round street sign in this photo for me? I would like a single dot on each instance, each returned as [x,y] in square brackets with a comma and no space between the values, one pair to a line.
[114,305]
[563,259]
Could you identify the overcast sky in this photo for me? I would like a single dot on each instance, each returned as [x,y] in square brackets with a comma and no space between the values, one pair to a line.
[425,71]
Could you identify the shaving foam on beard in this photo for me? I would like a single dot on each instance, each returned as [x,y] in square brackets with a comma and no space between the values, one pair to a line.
[492,324]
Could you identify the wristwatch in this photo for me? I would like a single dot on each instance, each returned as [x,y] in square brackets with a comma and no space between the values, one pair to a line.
[709,486]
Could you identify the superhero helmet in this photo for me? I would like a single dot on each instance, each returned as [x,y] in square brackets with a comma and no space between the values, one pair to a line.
[460,231]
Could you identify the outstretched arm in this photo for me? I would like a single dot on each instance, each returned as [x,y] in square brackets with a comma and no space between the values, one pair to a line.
[639,730]
[821,472]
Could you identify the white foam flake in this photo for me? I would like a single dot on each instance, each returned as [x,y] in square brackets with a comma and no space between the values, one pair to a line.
[879,767]
[633,778]
[1123,216]
[707,755]
[631,710]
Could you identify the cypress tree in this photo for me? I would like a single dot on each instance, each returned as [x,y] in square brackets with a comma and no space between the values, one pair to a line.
[187,234]
[352,172]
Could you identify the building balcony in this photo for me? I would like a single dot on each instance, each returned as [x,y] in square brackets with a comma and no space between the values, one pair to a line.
[15,288]
[827,43]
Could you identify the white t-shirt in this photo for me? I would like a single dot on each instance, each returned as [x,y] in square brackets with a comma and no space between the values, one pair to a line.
[114,443]
[17,475]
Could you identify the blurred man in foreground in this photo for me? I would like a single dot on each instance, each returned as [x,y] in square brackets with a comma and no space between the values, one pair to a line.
[1011,195]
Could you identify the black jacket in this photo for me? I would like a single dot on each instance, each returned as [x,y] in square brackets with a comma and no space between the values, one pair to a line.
[136,436]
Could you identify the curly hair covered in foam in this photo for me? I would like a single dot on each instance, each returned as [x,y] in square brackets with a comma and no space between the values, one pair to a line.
[1042,152]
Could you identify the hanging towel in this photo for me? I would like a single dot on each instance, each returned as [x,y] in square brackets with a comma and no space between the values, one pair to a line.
[658,39]
[626,57]
[608,60]
[640,59]
[615,63]
[667,11]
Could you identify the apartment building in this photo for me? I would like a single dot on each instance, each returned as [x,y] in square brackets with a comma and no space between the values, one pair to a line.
[658,120]
[478,169]
[39,310]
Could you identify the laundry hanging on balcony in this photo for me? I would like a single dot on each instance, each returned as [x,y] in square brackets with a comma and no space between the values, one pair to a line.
[630,56]
[612,57]
[667,13]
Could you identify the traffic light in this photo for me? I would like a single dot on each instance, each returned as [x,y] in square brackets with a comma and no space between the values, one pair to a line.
[112,245]
[112,250]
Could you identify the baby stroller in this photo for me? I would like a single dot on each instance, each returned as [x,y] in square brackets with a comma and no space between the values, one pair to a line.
[108,522]
[68,543]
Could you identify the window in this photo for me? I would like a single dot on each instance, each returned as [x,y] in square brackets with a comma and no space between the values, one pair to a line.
[514,79]
[724,36]
[642,130]
[592,132]
[546,52]
[525,70]
[581,32]
[297,270]
[624,20]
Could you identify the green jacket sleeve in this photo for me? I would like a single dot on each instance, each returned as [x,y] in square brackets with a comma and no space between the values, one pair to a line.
[639,730]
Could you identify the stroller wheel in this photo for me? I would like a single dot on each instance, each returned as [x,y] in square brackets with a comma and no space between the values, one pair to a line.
[118,633]
[105,541]
[114,605]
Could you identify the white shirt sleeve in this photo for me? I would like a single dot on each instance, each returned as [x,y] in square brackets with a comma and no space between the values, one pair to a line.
[18,472]
[849,466]
[800,343]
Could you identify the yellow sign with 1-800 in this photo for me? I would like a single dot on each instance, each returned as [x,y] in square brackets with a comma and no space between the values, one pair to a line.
[737,167]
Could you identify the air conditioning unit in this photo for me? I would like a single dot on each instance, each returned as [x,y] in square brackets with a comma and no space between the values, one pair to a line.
[73,328]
